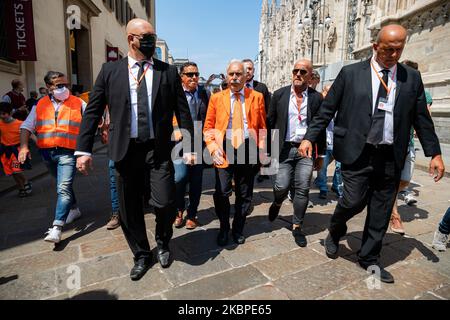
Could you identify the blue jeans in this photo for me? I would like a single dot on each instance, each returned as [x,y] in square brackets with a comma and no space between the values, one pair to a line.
[113,188]
[322,178]
[61,164]
[444,226]
[193,175]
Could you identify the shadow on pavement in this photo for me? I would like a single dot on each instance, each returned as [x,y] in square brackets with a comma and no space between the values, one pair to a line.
[199,246]
[5,280]
[95,295]
[399,247]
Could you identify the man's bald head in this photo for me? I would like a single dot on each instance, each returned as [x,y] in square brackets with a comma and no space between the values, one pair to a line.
[389,46]
[141,34]
[139,26]
[392,32]
[302,74]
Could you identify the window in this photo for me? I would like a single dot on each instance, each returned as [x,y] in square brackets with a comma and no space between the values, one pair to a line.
[148,7]
[109,4]
[118,9]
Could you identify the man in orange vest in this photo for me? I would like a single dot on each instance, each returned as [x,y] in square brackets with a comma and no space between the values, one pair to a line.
[56,121]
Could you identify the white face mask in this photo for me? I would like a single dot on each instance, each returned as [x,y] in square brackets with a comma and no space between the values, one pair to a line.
[61,94]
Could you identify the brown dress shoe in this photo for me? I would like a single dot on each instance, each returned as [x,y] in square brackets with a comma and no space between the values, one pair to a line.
[397,225]
[114,223]
[191,224]
[179,220]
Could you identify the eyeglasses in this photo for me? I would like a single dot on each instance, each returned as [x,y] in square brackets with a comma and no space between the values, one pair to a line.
[303,72]
[191,74]
[232,74]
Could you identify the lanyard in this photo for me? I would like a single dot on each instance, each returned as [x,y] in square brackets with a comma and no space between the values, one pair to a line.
[299,106]
[388,90]
[138,82]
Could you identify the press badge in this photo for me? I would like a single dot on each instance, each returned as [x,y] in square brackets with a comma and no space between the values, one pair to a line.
[384,104]
[300,132]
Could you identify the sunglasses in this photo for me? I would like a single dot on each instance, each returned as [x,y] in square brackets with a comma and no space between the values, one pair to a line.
[303,72]
[192,74]
[61,85]
[146,35]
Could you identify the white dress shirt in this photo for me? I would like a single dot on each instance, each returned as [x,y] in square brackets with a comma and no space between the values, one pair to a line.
[294,124]
[30,122]
[230,122]
[388,136]
[132,76]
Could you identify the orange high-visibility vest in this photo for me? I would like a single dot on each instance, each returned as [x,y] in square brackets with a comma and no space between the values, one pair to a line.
[58,130]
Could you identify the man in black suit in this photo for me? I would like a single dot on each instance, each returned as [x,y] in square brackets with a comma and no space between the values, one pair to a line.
[290,113]
[256,85]
[262,88]
[143,94]
[377,101]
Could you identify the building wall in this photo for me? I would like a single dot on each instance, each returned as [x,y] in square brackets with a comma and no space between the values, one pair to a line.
[51,35]
[350,38]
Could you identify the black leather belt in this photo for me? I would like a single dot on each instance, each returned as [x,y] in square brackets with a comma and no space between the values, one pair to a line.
[293,144]
[138,141]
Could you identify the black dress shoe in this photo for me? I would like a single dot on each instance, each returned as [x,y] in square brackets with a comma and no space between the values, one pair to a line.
[164,257]
[385,276]
[222,238]
[300,238]
[331,247]
[238,238]
[274,211]
[141,266]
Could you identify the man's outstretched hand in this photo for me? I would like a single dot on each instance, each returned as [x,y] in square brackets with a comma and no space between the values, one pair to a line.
[437,168]
[306,149]
[84,164]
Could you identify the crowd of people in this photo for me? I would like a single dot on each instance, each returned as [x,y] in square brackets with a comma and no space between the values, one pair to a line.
[150,114]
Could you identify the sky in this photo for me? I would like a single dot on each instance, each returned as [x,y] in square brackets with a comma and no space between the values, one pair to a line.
[209,32]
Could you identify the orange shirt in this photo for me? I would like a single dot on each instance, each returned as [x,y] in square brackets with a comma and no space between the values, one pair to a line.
[10,132]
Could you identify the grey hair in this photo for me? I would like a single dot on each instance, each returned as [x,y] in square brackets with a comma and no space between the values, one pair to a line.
[236,61]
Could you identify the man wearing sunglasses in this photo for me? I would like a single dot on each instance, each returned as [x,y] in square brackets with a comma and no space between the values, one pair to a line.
[290,113]
[56,121]
[185,173]
[142,94]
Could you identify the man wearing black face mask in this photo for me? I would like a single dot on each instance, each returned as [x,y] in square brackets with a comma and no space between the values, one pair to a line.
[143,94]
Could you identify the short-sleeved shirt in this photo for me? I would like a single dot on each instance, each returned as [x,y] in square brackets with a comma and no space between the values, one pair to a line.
[10,132]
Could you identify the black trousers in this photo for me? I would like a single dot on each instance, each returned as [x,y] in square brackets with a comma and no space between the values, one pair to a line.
[244,177]
[139,160]
[371,181]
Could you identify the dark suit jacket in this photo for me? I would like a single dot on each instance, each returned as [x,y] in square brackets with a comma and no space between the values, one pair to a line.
[112,89]
[204,98]
[262,88]
[351,97]
[279,112]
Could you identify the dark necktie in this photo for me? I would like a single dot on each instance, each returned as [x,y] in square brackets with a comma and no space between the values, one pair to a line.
[143,106]
[376,133]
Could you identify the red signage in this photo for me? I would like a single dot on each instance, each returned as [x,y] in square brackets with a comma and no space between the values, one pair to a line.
[19,21]
[112,54]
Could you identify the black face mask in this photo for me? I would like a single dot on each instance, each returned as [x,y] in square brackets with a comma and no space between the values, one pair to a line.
[148,45]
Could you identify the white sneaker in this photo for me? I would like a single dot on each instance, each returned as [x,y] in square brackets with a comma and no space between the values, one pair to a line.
[53,235]
[74,214]
[410,200]
[440,241]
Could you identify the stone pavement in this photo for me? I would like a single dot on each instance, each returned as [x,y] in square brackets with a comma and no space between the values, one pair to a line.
[268,266]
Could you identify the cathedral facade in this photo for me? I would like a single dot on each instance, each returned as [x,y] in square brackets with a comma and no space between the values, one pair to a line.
[348,37]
